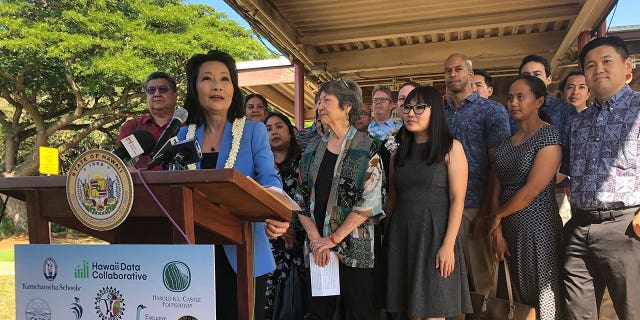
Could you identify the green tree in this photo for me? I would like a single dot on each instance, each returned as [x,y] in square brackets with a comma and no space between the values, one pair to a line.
[71,68]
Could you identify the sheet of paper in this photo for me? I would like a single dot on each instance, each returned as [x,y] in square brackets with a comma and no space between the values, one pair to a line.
[325,281]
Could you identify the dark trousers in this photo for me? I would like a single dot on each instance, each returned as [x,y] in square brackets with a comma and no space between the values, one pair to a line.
[598,255]
[227,290]
[356,295]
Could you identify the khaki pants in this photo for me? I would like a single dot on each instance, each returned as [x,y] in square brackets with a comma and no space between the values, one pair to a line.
[477,253]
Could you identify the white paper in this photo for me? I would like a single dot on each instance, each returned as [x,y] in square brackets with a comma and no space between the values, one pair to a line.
[325,281]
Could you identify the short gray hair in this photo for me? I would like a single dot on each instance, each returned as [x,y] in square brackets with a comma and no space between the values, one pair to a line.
[348,93]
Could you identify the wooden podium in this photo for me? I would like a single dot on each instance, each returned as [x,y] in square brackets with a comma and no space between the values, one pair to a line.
[210,206]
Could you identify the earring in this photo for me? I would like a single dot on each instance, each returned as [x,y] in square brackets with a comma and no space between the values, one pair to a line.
[346,120]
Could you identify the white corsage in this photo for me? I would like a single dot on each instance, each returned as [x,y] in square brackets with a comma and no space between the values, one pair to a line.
[390,143]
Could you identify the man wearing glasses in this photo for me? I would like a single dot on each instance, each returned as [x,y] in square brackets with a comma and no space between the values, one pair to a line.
[383,124]
[162,97]
[480,125]
[364,118]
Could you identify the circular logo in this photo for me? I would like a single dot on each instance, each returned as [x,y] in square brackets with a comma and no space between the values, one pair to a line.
[50,269]
[187,318]
[37,309]
[176,276]
[100,190]
[109,304]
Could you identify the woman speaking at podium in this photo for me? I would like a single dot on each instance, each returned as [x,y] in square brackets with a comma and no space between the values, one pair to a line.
[216,118]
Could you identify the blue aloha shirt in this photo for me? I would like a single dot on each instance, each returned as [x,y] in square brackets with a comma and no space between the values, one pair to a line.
[479,124]
[560,115]
[356,186]
[381,131]
[605,146]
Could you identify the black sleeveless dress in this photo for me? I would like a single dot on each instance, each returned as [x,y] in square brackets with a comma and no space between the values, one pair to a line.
[416,232]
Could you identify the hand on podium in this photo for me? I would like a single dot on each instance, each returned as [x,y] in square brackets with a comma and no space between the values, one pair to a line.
[275,228]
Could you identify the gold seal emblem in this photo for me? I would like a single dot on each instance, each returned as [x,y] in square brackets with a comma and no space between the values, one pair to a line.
[100,190]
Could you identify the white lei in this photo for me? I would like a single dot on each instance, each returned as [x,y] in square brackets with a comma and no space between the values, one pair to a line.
[237,129]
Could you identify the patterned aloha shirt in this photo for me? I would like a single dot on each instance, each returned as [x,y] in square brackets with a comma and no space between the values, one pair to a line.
[605,145]
[479,124]
[356,186]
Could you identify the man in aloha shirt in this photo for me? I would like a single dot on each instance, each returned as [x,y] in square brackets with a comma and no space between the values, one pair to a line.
[480,125]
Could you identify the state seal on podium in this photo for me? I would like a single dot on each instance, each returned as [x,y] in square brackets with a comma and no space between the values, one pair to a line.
[100,190]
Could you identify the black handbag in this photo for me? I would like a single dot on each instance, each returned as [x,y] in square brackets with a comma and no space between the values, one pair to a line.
[290,297]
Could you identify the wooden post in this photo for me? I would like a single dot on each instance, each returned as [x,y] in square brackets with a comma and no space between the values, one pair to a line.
[299,94]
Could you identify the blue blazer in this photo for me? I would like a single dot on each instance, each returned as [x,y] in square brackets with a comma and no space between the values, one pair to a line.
[254,160]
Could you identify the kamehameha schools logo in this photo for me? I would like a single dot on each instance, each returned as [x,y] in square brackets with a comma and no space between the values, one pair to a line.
[99,190]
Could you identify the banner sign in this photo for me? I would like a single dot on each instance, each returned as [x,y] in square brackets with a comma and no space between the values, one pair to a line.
[114,282]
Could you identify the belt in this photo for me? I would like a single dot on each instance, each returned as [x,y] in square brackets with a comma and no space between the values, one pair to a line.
[595,216]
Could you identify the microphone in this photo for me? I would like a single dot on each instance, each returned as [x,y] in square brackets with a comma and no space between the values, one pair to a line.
[130,147]
[179,117]
[164,154]
[186,152]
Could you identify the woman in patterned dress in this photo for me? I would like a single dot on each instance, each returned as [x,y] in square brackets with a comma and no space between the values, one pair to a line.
[526,226]
[287,249]
[340,197]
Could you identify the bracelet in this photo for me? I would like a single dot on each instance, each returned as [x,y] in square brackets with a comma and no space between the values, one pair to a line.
[333,240]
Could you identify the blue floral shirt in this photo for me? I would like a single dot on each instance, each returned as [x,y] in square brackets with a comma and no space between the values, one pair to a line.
[605,145]
[381,131]
[479,124]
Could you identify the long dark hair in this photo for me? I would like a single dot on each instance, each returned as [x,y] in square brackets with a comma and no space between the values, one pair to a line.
[440,140]
[191,103]
[293,153]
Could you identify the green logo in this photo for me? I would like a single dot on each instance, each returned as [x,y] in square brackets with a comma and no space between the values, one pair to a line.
[176,276]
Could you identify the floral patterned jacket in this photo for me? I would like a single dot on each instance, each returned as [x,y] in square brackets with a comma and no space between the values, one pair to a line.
[356,186]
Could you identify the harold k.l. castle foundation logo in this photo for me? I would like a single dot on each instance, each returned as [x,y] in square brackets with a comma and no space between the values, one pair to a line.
[176,276]
[109,304]
[50,269]
[99,190]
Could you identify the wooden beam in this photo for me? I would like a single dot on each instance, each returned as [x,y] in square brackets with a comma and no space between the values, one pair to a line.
[324,37]
[591,13]
[268,21]
[395,58]
[265,76]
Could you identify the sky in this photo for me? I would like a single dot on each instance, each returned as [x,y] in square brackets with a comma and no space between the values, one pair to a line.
[626,13]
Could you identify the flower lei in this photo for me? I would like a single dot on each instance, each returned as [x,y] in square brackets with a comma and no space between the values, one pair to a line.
[237,129]
[236,132]
[391,144]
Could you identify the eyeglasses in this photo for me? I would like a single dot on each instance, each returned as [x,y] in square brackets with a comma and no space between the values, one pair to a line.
[346,85]
[417,109]
[364,114]
[152,89]
[380,100]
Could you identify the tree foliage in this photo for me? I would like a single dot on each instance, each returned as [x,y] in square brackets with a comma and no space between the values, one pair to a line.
[71,68]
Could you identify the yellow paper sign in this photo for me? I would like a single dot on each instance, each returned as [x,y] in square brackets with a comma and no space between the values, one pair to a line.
[49,161]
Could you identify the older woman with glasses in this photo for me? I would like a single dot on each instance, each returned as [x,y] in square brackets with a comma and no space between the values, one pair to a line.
[340,196]
[427,278]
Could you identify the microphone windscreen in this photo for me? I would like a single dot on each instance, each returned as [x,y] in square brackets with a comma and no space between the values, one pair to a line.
[146,140]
